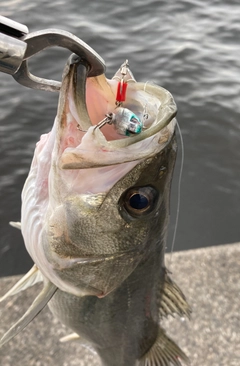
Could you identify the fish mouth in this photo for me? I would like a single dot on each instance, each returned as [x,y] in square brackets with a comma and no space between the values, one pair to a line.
[85,101]
[96,276]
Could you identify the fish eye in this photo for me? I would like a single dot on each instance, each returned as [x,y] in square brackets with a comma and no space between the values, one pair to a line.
[139,201]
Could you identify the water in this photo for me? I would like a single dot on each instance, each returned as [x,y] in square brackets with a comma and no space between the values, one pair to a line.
[189,47]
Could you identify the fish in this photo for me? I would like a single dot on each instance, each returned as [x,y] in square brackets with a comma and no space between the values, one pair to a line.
[95,213]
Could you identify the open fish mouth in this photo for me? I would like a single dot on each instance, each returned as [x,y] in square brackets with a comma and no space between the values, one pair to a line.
[86,107]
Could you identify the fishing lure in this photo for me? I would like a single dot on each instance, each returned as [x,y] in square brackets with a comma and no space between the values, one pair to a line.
[124,121]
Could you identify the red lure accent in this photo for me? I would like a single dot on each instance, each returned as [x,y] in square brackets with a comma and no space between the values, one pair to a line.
[121,91]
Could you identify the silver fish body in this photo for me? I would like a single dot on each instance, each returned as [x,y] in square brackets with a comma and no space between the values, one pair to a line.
[94,219]
[124,325]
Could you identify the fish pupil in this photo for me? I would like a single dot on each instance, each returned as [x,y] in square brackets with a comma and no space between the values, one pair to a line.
[138,201]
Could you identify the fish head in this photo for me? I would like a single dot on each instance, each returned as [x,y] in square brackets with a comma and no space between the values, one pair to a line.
[104,204]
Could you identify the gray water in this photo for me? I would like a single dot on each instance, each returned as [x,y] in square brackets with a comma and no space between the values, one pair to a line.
[190,48]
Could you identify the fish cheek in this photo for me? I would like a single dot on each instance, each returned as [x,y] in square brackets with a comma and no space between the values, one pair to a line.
[56,237]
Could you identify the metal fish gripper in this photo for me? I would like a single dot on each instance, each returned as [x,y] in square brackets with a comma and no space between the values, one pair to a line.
[17,46]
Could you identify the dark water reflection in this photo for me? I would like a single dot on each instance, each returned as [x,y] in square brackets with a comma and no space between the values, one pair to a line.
[189,47]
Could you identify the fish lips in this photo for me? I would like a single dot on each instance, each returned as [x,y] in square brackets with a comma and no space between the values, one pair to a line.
[97,276]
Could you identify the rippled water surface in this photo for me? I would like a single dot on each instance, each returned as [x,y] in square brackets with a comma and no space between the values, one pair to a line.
[190,48]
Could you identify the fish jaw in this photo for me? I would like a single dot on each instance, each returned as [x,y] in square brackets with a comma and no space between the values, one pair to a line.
[74,226]
[95,276]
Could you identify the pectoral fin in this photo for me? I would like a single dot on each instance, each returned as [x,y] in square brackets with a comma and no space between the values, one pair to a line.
[38,304]
[29,279]
[164,352]
[172,300]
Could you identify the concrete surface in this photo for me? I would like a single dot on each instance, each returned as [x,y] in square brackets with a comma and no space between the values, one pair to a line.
[209,277]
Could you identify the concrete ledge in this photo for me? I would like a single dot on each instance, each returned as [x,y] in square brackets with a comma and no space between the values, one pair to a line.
[209,277]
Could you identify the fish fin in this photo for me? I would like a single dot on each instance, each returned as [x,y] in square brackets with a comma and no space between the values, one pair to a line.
[31,278]
[70,337]
[38,304]
[17,225]
[164,352]
[173,301]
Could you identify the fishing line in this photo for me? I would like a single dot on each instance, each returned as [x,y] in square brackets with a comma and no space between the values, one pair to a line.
[178,187]
[178,193]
